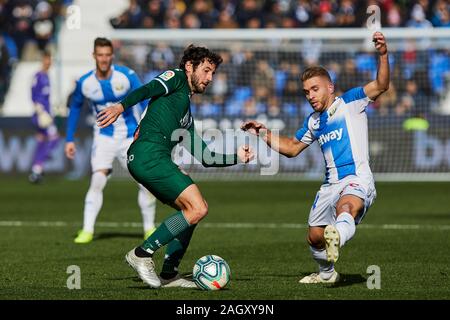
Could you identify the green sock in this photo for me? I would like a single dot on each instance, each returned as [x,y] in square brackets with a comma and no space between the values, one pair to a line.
[166,232]
[175,252]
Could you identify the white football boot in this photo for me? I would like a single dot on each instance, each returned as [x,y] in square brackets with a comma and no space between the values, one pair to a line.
[316,278]
[332,242]
[145,267]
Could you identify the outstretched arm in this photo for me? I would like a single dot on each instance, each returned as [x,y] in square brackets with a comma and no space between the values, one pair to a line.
[289,147]
[110,114]
[198,148]
[375,88]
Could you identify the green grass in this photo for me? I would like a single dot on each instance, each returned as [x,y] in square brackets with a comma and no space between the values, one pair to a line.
[266,263]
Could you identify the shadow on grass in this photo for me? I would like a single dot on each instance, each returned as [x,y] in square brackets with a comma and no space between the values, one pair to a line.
[349,280]
[110,235]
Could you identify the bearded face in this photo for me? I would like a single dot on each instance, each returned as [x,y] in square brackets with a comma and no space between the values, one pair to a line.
[201,76]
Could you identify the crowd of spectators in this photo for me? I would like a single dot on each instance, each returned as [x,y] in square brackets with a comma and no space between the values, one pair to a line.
[252,82]
[25,24]
[226,14]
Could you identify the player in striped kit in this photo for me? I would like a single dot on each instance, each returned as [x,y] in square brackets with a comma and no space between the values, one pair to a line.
[104,86]
[339,124]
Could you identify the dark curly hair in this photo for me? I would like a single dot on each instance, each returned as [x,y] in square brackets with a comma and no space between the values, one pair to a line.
[199,54]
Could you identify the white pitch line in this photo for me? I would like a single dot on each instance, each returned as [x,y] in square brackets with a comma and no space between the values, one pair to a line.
[219,225]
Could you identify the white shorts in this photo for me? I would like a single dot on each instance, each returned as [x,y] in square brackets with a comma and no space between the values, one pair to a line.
[105,149]
[323,210]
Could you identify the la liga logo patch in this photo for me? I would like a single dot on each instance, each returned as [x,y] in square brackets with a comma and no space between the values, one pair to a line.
[167,75]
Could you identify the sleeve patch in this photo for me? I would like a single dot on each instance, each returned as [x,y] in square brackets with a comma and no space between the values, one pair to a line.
[169,74]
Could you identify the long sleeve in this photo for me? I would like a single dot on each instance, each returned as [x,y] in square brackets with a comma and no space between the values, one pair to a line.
[198,148]
[163,84]
[136,83]
[74,112]
[35,89]
[150,90]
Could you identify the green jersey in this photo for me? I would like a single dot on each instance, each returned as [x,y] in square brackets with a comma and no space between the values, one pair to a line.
[168,111]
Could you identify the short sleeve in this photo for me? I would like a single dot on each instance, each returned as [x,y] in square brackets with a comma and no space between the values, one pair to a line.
[304,134]
[356,99]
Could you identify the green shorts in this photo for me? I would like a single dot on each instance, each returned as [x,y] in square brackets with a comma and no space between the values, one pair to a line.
[151,165]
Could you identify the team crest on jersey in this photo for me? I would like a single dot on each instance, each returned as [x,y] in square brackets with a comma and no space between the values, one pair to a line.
[332,110]
[316,124]
[119,87]
[169,74]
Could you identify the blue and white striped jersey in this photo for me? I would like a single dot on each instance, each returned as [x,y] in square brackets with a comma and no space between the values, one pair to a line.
[342,134]
[102,93]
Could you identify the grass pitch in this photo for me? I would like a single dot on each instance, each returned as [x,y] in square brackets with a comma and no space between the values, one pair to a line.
[258,227]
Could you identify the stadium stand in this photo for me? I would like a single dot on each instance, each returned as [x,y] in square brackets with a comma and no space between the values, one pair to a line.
[207,14]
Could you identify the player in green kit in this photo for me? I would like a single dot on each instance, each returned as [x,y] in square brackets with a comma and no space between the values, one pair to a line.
[167,122]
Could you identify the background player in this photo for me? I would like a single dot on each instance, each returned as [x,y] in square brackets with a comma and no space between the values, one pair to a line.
[106,85]
[47,135]
[339,124]
[150,163]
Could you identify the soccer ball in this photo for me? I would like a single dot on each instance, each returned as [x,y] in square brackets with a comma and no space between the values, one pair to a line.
[211,273]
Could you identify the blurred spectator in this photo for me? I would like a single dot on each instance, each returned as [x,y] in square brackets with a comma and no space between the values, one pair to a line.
[20,24]
[220,84]
[325,15]
[273,107]
[202,10]
[412,100]
[246,11]
[43,25]
[441,14]
[303,13]
[225,21]
[387,101]
[418,18]
[394,18]
[154,13]
[131,18]
[350,77]
[252,108]
[191,21]
[346,14]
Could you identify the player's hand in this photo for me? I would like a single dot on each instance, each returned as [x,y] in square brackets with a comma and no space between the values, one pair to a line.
[109,115]
[253,127]
[380,43]
[245,154]
[44,119]
[70,150]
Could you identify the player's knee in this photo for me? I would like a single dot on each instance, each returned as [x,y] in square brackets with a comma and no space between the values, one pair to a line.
[345,207]
[98,181]
[198,213]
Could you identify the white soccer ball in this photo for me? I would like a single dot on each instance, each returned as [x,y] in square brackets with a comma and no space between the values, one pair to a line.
[211,273]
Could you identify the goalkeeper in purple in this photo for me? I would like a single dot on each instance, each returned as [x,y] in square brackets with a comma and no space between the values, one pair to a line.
[339,124]
[47,135]
[104,86]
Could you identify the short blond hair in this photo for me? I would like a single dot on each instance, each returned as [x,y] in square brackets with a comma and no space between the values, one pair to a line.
[316,71]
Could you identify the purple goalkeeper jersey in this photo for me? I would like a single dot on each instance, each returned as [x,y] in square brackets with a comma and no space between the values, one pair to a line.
[40,90]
